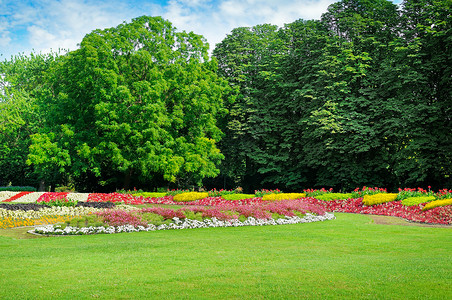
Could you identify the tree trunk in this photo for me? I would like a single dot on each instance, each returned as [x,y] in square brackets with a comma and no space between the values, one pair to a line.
[127,178]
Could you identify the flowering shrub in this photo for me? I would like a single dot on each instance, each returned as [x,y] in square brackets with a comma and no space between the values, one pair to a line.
[166,213]
[357,193]
[444,194]
[437,203]
[314,192]
[261,193]
[370,200]
[417,200]
[283,196]
[121,217]
[437,215]
[333,196]
[218,193]
[190,196]
[408,193]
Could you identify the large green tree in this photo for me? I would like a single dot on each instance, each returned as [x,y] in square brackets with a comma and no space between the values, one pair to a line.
[140,100]
[21,81]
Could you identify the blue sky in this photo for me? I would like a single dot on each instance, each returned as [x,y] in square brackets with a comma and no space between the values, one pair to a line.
[42,25]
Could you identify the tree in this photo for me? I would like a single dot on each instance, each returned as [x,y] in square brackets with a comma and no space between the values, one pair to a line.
[21,81]
[139,99]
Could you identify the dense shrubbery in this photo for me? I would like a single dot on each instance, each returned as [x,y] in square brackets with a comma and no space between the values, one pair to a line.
[283,196]
[190,196]
[232,197]
[18,188]
[370,200]
[417,200]
[334,196]
[437,203]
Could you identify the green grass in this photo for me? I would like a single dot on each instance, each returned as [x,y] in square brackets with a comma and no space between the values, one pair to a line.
[348,258]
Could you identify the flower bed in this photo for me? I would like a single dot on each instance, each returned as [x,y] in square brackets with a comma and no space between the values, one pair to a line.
[179,224]
[438,215]
[156,218]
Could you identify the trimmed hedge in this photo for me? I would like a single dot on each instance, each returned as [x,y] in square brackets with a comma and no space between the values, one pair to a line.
[437,203]
[411,201]
[370,200]
[18,188]
[234,197]
[334,196]
[190,196]
[283,196]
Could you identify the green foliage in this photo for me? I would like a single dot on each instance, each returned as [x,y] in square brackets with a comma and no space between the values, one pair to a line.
[411,201]
[18,188]
[334,196]
[60,202]
[145,111]
[149,195]
[233,197]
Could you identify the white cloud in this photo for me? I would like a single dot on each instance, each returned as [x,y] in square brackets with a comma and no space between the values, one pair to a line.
[63,23]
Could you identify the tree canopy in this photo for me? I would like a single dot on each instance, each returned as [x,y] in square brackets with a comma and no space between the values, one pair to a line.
[360,97]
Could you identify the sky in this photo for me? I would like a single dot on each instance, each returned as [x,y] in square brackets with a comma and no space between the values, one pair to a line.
[42,26]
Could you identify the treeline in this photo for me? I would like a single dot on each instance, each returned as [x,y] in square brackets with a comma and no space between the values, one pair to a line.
[360,97]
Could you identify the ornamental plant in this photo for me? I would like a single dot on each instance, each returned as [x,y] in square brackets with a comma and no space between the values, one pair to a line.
[315,192]
[334,196]
[419,192]
[59,202]
[417,200]
[283,196]
[437,203]
[190,196]
[444,194]
[261,193]
[370,200]
[358,193]
[235,197]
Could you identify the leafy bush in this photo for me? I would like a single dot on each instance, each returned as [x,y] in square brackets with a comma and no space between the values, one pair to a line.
[176,192]
[357,193]
[411,201]
[370,200]
[218,193]
[261,193]
[18,188]
[149,195]
[334,196]
[437,203]
[444,194]
[60,202]
[408,193]
[283,196]
[190,196]
[233,197]
[314,193]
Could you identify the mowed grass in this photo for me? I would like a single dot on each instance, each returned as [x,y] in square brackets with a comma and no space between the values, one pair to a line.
[348,258]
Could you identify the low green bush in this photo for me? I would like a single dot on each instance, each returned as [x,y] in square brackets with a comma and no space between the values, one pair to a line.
[334,196]
[411,201]
[234,197]
[17,188]
[150,195]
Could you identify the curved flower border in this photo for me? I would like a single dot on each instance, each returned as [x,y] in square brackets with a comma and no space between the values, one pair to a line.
[180,224]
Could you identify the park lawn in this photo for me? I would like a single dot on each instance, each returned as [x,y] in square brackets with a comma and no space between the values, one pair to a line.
[350,257]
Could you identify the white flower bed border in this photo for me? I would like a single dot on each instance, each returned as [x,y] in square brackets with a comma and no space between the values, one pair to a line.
[179,224]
